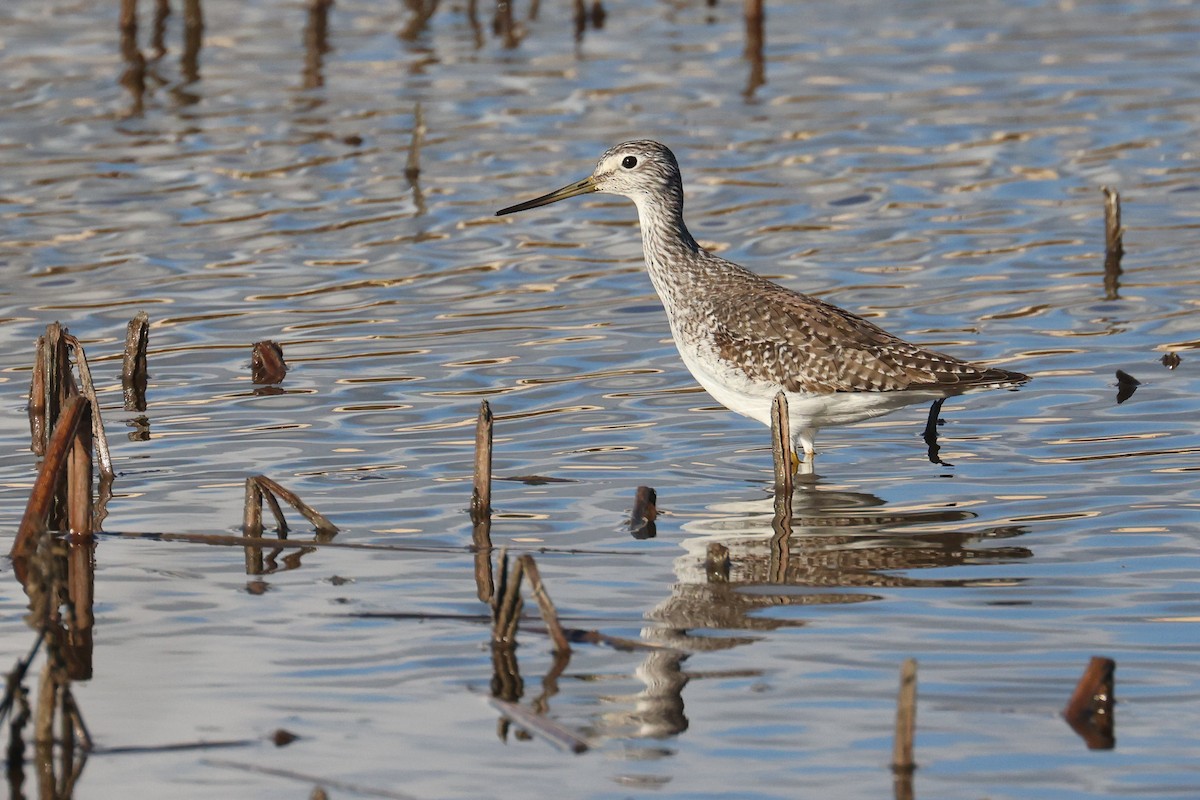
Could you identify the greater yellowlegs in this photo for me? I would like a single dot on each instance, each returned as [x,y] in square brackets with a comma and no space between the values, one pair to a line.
[745,338]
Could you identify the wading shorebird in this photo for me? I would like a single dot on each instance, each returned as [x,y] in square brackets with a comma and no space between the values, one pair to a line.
[745,338]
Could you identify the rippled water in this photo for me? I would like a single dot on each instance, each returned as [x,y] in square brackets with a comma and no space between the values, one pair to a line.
[935,167]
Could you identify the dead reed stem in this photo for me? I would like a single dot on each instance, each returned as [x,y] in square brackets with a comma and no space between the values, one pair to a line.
[906,719]
[89,391]
[316,43]
[545,605]
[133,365]
[785,470]
[37,400]
[79,477]
[755,39]
[50,387]
[258,489]
[252,526]
[1113,233]
[51,476]
[481,496]
[1113,243]
[318,520]
[781,445]
[266,363]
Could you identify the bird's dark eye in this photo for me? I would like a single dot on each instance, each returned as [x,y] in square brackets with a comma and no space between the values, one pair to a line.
[629,162]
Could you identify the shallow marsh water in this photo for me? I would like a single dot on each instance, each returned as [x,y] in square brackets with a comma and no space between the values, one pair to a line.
[934,167]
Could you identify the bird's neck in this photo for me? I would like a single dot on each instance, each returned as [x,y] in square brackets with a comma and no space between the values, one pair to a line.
[667,245]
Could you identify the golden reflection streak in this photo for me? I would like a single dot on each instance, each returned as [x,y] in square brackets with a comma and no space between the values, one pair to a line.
[1179,451]
[1118,437]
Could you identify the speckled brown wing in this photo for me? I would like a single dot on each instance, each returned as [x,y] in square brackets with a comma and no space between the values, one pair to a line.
[805,344]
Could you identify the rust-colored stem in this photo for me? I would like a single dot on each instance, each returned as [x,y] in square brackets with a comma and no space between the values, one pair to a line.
[54,468]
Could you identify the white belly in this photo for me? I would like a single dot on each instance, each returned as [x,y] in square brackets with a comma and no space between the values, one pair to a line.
[807,412]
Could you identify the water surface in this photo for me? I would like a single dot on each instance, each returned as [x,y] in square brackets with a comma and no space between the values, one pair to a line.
[935,168]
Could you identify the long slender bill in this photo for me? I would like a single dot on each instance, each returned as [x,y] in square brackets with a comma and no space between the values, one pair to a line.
[585,186]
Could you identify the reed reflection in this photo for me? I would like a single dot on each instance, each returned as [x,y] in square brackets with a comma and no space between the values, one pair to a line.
[836,546]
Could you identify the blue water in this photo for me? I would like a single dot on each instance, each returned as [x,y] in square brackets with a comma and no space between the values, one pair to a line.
[936,168]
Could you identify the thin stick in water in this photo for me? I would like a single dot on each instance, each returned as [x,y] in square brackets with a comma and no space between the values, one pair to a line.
[54,466]
[318,520]
[89,391]
[1113,243]
[545,605]
[481,497]
[781,445]
[906,719]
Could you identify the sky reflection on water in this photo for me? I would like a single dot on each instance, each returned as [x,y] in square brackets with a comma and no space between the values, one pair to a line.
[934,168]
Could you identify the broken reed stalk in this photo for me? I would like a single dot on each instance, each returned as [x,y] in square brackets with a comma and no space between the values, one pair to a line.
[645,512]
[89,391]
[37,400]
[1089,712]
[252,526]
[785,470]
[545,605]
[50,386]
[79,475]
[258,489]
[412,167]
[59,458]
[755,39]
[781,445]
[318,520]
[481,496]
[906,719]
[316,43]
[133,364]
[1113,233]
[266,363]
[1113,243]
